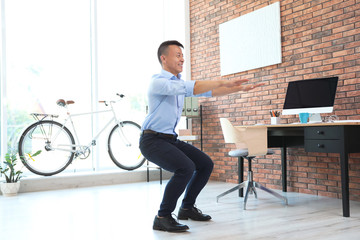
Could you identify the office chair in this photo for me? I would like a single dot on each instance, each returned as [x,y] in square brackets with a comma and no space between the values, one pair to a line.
[250,142]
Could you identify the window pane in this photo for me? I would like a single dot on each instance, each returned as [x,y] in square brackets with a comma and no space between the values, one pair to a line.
[47,58]
[128,38]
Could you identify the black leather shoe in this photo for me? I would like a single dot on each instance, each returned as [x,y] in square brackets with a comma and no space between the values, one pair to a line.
[168,224]
[192,213]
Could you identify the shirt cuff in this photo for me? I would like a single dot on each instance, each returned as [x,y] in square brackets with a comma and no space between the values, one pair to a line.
[189,86]
[208,94]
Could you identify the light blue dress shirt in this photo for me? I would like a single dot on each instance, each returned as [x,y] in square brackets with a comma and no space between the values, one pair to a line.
[166,100]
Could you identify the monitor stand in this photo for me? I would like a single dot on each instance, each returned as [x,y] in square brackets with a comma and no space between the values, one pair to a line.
[314,118]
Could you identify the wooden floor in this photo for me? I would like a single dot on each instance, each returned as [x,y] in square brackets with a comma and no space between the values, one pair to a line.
[126,211]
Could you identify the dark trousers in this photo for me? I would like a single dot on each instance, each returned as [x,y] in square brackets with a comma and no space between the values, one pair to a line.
[191,168]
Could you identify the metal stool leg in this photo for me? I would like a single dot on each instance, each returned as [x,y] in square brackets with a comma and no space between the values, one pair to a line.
[258,185]
[241,185]
[248,190]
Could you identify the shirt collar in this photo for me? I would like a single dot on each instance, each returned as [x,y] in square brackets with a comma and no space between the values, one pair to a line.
[170,75]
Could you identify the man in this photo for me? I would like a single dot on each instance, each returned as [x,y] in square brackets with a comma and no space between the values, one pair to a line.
[159,143]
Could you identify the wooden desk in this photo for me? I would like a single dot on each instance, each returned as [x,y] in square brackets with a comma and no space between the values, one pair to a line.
[341,137]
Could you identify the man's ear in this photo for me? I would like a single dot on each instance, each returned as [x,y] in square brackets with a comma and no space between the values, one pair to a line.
[162,57]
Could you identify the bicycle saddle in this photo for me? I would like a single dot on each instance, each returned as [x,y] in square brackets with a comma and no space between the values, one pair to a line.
[62,102]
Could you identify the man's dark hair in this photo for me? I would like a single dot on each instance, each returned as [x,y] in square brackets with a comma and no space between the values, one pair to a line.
[164,47]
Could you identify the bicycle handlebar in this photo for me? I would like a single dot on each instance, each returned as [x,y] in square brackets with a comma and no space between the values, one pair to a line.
[106,102]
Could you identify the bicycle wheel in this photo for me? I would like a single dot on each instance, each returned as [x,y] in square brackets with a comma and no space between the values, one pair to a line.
[56,143]
[123,146]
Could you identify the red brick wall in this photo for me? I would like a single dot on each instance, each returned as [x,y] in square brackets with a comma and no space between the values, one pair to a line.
[319,38]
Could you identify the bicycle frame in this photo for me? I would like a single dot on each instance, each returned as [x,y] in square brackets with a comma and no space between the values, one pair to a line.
[79,148]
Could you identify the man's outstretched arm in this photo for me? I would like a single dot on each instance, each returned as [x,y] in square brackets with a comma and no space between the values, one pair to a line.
[223,87]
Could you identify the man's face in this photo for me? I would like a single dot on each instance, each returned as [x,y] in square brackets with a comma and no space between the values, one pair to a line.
[173,61]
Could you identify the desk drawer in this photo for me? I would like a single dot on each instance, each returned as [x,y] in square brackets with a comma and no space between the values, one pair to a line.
[322,132]
[326,146]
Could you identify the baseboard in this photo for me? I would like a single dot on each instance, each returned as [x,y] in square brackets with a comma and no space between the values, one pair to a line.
[79,180]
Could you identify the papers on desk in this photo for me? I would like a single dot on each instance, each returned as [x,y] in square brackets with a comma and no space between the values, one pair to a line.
[344,121]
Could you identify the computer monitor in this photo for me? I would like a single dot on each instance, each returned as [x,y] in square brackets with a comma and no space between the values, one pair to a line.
[312,96]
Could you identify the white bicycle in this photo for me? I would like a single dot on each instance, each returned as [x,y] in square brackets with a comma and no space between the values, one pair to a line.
[59,147]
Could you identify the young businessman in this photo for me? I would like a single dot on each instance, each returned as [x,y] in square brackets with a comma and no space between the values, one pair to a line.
[159,143]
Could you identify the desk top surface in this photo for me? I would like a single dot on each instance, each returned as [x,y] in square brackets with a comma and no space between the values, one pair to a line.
[337,123]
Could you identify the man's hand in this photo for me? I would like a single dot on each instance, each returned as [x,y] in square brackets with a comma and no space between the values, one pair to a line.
[238,84]
[232,86]
[251,87]
[233,83]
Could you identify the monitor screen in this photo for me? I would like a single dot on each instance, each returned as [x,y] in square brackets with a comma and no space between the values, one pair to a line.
[312,96]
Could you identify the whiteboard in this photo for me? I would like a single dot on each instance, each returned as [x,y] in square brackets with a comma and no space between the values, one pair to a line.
[251,41]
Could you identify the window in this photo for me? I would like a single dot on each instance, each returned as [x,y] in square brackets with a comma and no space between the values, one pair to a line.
[83,51]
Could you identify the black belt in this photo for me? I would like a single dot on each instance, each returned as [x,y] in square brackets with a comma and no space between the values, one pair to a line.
[158,133]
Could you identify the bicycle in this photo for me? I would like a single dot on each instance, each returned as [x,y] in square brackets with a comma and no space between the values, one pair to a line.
[60,147]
